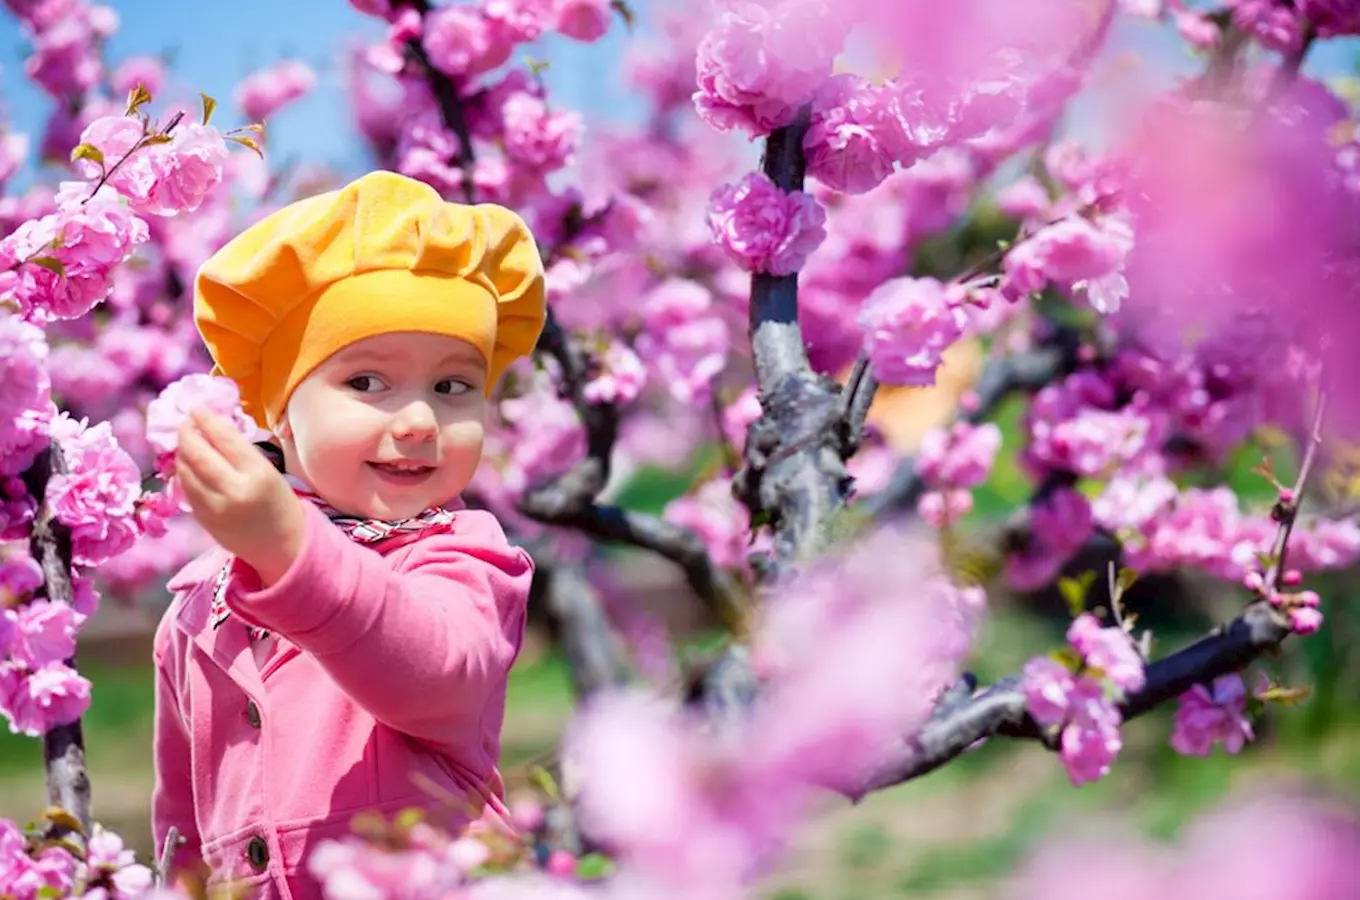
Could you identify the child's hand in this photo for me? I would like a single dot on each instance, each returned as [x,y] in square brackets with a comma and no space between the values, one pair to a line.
[242,501]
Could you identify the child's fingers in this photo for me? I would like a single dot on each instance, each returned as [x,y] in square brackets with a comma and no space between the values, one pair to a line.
[228,442]
[202,459]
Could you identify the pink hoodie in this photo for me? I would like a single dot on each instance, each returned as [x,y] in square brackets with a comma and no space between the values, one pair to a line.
[390,664]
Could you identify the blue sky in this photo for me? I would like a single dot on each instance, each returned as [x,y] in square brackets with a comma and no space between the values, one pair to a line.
[218,43]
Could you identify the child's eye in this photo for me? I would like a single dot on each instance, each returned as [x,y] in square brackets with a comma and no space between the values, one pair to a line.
[452,386]
[365,384]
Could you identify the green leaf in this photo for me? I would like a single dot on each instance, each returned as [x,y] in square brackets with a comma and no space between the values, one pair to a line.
[1068,658]
[51,264]
[1074,591]
[209,104]
[593,866]
[88,151]
[1125,580]
[156,139]
[542,779]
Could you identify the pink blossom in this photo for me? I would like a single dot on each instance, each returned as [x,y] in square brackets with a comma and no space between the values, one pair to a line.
[20,575]
[64,61]
[24,383]
[461,41]
[96,498]
[187,168]
[909,323]
[41,700]
[1023,198]
[942,508]
[1305,619]
[263,93]
[1090,741]
[760,63]
[167,412]
[352,869]
[1205,718]
[45,632]
[108,857]
[620,378]
[1331,17]
[583,20]
[720,521]
[1274,24]
[537,136]
[1048,687]
[1199,31]
[1070,250]
[148,71]
[1108,649]
[763,228]
[684,339]
[960,455]
[842,147]
[548,438]
[1059,524]
[738,416]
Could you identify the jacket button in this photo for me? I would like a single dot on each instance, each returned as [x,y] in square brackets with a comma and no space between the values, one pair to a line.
[253,714]
[257,851]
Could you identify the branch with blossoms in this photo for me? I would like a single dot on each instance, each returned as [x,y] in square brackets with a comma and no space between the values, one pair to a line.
[570,500]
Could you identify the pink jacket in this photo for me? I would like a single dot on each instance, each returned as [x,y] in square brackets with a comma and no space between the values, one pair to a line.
[390,663]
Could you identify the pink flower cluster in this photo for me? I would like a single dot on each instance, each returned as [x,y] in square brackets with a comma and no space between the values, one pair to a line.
[171,407]
[1215,714]
[109,871]
[689,811]
[1074,427]
[1083,703]
[619,378]
[66,35]
[37,689]
[25,402]
[763,60]
[719,520]
[952,461]
[763,228]
[1314,855]
[97,497]
[159,179]
[684,339]
[908,325]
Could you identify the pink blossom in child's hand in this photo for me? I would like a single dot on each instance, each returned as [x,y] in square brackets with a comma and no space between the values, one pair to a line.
[1109,650]
[172,406]
[39,701]
[1205,718]
[763,228]
[908,325]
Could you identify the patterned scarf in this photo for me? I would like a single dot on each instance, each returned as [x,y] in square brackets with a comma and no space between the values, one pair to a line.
[362,531]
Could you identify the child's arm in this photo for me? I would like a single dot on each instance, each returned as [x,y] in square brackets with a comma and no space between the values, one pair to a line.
[424,648]
[172,799]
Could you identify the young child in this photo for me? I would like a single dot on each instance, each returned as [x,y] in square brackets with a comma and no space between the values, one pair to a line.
[347,647]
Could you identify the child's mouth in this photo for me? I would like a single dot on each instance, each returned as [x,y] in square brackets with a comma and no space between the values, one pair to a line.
[402,473]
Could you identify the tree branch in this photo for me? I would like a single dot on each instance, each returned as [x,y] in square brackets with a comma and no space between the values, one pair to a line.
[794,473]
[68,782]
[448,100]
[1000,710]
[592,650]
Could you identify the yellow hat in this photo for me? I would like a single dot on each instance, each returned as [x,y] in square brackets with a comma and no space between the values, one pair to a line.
[385,253]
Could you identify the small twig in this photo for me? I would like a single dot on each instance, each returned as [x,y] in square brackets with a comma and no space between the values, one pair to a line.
[173,840]
[449,101]
[1287,511]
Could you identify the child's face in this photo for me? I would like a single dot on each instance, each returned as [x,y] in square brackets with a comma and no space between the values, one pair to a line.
[389,426]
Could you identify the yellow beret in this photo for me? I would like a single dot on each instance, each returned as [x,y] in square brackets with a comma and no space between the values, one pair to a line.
[383,254]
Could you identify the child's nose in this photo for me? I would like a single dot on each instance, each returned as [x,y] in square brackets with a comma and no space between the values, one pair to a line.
[415,422]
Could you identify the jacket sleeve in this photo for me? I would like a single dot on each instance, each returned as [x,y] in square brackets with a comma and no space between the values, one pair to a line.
[423,646]
[172,798]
